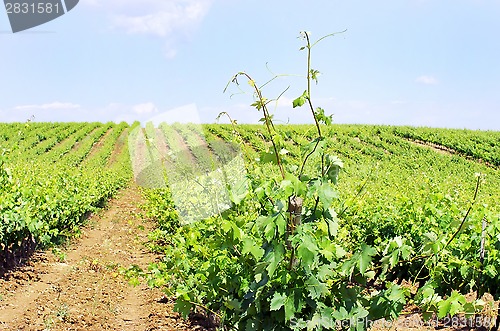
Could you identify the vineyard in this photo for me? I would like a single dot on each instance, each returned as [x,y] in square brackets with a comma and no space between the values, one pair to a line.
[52,176]
[387,220]
[404,224]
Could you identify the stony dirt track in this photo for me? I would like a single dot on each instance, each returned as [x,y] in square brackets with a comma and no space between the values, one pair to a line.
[80,287]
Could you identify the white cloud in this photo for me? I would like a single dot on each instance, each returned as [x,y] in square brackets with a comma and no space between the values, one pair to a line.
[71,112]
[283,101]
[47,112]
[426,79]
[145,108]
[49,106]
[167,19]
[169,50]
[183,114]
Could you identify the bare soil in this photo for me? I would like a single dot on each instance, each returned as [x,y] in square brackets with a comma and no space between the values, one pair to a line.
[437,148]
[120,142]
[100,142]
[81,287]
[161,143]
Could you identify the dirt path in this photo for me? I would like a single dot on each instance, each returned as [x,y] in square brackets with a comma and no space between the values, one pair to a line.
[81,288]
[437,148]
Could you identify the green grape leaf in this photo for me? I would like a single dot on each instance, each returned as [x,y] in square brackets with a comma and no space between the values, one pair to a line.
[452,306]
[239,191]
[249,246]
[333,166]
[314,75]
[299,102]
[183,307]
[327,194]
[307,251]
[322,318]
[322,118]
[365,258]
[341,315]
[268,157]
[316,288]
[290,309]
[274,257]
[277,301]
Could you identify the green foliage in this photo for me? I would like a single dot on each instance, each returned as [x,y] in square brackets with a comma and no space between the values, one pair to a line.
[300,101]
[480,145]
[50,182]
[314,242]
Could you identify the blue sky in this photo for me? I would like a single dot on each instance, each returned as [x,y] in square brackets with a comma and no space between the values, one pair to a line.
[416,62]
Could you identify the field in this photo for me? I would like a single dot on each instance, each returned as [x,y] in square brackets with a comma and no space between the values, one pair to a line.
[249,228]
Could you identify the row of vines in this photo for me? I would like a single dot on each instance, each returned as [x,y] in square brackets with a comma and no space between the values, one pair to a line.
[390,224]
[396,230]
[52,175]
[277,227]
[330,226]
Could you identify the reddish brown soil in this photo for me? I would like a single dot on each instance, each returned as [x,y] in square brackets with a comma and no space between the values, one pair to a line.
[437,148]
[140,157]
[81,288]
[77,144]
[161,144]
[100,142]
[120,142]
[183,147]
[448,151]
